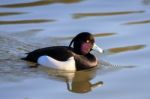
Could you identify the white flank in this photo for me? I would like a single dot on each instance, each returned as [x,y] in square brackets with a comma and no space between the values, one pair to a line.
[48,61]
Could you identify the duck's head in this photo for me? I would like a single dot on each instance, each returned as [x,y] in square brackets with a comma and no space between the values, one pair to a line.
[83,43]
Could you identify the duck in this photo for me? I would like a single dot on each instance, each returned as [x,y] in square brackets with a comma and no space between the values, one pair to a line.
[77,56]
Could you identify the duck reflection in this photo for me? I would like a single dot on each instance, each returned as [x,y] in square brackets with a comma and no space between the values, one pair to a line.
[83,87]
[79,81]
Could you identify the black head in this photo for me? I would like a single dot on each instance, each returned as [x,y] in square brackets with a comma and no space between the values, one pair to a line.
[83,43]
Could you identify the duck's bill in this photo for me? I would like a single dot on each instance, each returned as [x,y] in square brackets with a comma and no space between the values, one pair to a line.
[98,49]
[98,84]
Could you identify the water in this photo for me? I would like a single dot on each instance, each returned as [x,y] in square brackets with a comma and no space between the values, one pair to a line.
[120,27]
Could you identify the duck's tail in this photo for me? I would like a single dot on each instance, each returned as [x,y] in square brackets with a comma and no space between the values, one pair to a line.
[25,58]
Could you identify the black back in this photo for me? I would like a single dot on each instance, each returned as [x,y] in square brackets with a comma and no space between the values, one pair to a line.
[61,53]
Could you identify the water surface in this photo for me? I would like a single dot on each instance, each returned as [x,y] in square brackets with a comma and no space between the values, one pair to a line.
[120,27]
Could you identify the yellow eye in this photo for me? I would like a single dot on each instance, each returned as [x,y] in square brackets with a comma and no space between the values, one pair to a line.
[87,41]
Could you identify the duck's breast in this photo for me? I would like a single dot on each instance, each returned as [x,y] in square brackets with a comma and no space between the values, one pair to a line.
[85,62]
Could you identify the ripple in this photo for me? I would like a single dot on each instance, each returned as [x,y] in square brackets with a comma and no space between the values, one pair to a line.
[70,37]
[83,15]
[10,13]
[104,34]
[38,3]
[25,21]
[26,33]
[138,22]
[126,48]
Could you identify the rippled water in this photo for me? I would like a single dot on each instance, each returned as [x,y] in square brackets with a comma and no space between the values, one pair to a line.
[121,27]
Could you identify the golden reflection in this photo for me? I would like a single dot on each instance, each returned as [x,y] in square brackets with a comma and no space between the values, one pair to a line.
[103,34]
[25,21]
[83,15]
[38,3]
[94,34]
[126,48]
[81,82]
[9,13]
[77,82]
[138,22]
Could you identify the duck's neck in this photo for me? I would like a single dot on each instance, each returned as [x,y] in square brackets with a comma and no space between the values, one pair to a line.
[77,51]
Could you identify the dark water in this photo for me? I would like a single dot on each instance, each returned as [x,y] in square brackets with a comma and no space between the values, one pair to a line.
[121,27]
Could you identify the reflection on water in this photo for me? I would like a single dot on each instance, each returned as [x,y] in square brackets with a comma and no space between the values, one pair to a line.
[103,34]
[38,3]
[82,15]
[25,21]
[138,22]
[78,82]
[95,35]
[83,87]
[126,48]
[10,13]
